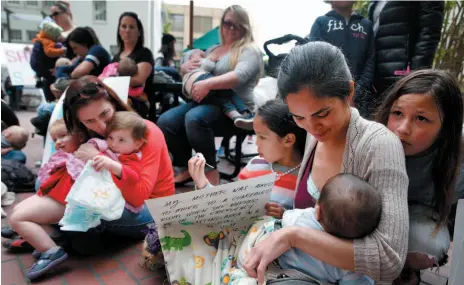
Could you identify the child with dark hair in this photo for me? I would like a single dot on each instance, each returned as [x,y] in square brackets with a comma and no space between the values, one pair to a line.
[125,67]
[280,150]
[348,208]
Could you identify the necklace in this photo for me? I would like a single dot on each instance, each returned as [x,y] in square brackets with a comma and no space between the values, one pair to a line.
[279,175]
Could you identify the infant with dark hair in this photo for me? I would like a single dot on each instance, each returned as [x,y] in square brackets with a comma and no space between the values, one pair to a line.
[348,207]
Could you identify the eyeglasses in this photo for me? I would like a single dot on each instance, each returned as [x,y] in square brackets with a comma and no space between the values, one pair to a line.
[230,25]
[54,14]
[88,91]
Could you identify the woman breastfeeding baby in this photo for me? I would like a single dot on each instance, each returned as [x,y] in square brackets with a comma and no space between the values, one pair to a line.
[126,133]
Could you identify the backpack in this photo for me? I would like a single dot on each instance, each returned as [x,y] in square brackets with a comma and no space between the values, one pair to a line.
[17,177]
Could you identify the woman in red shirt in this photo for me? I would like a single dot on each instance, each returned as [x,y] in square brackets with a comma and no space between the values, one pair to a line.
[88,107]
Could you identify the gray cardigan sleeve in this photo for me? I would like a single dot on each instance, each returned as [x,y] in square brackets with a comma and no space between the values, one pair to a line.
[248,65]
[382,254]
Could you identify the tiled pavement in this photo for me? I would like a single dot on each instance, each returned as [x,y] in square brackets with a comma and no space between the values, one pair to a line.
[115,267]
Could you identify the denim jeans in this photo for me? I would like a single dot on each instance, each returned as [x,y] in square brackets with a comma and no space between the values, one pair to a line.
[46,109]
[129,225]
[193,126]
[227,99]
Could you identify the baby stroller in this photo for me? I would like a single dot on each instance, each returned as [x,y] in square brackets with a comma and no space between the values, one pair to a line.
[272,68]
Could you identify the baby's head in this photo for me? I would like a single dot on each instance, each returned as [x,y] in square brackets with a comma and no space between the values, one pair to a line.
[349,207]
[16,136]
[127,67]
[198,54]
[126,132]
[64,140]
[52,30]
[63,61]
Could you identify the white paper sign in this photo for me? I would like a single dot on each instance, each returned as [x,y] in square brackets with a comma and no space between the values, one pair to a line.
[16,57]
[224,205]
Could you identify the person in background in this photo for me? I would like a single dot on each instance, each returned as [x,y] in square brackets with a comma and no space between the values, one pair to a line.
[131,40]
[14,139]
[167,52]
[14,92]
[406,38]
[353,34]
[93,58]
[60,12]
[238,67]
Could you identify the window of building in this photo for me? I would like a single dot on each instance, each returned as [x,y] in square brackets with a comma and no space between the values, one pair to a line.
[99,11]
[179,45]
[31,35]
[32,4]
[177,22]
[16,35]
[14,3]
[4,34]
[48,4]
[202,24]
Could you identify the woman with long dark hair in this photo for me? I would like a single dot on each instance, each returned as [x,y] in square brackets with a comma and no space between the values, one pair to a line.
[130,38]
[425,110]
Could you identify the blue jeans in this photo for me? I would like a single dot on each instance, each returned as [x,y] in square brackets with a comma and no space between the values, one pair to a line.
[227,99]
[129,225]
[193,126]
[46,109]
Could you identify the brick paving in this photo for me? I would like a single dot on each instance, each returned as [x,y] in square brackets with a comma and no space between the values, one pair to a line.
[115,267]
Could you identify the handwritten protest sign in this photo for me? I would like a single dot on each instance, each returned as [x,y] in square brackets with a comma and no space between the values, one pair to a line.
[224,205]
[16,57]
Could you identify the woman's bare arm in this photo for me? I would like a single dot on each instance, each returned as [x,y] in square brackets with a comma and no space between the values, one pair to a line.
[144,70]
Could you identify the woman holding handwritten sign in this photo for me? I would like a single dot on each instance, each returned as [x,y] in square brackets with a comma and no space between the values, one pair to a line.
[317,85]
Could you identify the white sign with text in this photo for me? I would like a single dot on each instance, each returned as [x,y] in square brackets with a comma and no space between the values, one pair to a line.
[17,58]
[223,205]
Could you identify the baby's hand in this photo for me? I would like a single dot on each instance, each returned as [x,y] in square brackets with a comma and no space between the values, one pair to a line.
[102,162]
[196,167]
[274,210]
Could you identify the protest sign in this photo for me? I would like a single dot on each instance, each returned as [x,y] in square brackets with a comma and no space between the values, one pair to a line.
[224,205]
[16,57]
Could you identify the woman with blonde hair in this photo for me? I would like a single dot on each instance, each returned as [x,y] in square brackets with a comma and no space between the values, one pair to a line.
[237,67]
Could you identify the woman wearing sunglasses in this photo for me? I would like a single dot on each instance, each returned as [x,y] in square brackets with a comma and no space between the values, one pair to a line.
[60,12]
[238,66]
[88,108]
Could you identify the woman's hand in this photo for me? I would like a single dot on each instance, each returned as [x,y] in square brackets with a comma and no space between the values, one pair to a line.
[200,90]
[190,65]
[260,256]
[86,152]
[6,150]
[196,168]
[275,210]
[55,91]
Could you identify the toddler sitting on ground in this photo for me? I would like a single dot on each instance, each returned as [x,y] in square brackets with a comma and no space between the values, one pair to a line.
[14,139]
[232,105]
[348,207]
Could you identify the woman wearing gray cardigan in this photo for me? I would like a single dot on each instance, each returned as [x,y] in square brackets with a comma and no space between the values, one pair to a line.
[238,66]
[316,83]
